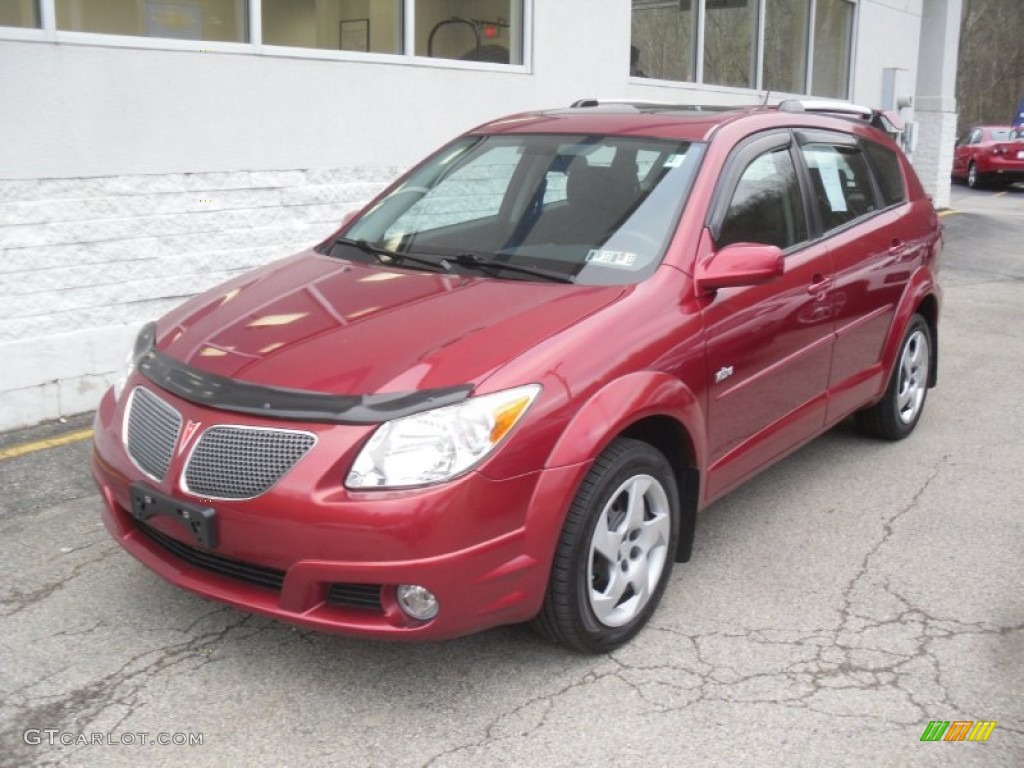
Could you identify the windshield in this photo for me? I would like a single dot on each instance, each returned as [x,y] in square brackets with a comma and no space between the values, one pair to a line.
[599,210]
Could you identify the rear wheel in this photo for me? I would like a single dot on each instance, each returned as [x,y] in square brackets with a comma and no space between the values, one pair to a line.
[896,415]
[615,552]
[973,179]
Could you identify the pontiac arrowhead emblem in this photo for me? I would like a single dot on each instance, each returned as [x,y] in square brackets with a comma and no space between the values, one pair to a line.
[189,431]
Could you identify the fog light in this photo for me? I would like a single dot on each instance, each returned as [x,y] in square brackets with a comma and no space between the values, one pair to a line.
[418,602]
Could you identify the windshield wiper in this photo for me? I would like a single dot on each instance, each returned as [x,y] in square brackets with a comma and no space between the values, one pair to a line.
[386,256]
[475,261]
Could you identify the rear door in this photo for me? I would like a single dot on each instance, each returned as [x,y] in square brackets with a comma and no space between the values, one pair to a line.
[873,238]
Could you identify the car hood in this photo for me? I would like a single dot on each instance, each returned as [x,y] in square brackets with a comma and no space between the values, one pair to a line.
[320,324]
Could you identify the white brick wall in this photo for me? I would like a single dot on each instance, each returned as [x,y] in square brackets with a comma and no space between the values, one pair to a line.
[933,155]
[84,262]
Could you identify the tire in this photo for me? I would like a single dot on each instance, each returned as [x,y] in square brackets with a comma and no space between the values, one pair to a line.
[897,413]
[973,178]
[613,557]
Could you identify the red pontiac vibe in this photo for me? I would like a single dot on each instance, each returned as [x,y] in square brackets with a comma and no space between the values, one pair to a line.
[502,392]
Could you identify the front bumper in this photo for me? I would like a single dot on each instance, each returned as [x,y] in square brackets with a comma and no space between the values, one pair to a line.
[482,546]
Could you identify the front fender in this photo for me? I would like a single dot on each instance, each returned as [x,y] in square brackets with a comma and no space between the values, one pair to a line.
[607,414]
[626,401]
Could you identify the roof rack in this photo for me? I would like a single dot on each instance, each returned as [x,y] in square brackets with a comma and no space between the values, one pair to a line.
[885,121]
[646,104]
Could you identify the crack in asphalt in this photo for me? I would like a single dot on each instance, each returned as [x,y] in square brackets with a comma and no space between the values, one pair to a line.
[826,660]
[74,710]
[18,600]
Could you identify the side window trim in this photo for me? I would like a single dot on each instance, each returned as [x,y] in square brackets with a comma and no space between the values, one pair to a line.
[735,165]
[746,154]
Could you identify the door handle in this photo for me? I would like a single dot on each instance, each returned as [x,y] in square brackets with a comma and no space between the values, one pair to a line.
[820,286]
[897,247]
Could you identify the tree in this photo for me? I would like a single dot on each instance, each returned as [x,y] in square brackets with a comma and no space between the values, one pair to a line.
[990,76]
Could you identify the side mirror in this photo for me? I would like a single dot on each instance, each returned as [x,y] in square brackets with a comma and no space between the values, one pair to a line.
[738,265]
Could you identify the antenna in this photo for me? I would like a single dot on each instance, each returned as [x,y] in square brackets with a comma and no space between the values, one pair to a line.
[766,95]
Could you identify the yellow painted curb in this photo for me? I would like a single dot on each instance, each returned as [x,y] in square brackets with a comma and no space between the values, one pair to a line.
[42,445]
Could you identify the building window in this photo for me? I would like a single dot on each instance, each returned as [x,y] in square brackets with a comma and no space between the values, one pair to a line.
[470,30]
[214,20]
[339,25]
[19,13]
[485,31]
[833,30]
[664,37]
[785,45]
[730,34]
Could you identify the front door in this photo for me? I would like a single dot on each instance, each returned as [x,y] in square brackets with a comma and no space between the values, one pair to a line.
[769,346]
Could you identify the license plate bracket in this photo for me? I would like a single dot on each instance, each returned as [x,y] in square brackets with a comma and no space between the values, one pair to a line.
[200,522]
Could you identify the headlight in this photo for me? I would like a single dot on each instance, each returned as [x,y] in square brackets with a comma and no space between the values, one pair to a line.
[437,445]
[143,343]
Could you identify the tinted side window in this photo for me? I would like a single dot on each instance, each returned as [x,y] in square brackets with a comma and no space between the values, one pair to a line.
[841,183]
[888,172]
[766,206]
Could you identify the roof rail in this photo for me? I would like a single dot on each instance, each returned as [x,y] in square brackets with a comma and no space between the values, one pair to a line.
[580,103]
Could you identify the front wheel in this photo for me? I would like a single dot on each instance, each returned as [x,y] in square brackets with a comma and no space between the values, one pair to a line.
[615,552]
[897,413]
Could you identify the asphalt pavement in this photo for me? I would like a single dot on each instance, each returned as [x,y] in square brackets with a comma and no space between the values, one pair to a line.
[835,605]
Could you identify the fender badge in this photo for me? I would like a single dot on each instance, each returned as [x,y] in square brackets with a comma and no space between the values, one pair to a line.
[721,376]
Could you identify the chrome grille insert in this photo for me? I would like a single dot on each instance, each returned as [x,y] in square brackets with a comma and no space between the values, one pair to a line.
[151,432]
[242,462]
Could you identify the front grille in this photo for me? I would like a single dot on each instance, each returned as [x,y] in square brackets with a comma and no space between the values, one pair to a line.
[365,596]
[258,575]
[153,428]
[243,462]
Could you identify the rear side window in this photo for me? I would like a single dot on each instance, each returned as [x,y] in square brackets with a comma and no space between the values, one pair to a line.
[841,183]
[766,206]
[888,172]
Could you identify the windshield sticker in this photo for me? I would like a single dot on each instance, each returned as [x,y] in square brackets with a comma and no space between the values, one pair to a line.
[674,161]
[612,258]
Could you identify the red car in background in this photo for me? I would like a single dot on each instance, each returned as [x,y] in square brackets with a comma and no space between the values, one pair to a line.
[502,392]
[989,154]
